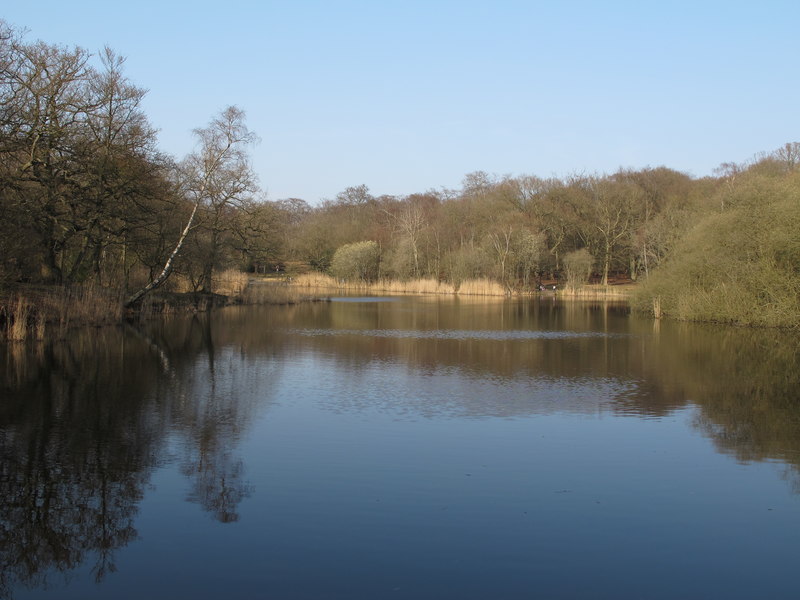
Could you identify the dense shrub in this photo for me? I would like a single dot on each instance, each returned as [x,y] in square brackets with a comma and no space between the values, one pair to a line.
[359,261]
[578,267]
[739,265]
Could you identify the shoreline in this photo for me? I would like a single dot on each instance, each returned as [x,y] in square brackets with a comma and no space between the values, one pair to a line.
[36,312]
[469,287]
[39,312]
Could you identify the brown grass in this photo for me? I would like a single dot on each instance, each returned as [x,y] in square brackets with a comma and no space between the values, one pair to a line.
[481,287]
[178,283]
[313,280]
[272,292]
[591,292]
[468,287]
[412,286]
[231,282]
[17,316]
[657,313]
[32,313]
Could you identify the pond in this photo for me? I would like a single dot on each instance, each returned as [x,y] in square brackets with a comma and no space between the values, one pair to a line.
[402,448]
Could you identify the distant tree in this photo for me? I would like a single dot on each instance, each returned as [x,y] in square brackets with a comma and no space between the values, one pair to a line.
[409,218]
[606,211]
[664,197]
[788,155]
[544,204]
[294,209]
[359,261]
[477,184]
[740,265]
[466,262]
[354,195]
[313,241]
[728,173]
[527,250]
[499,243]
[578,267]
[260,235]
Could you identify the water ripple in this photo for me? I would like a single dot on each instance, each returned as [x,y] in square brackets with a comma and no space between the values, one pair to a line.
[458,334]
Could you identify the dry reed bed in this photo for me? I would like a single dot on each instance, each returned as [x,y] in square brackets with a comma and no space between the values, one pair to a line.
[469,287]
[596,292]
[230,287]
[272,292]
[35,312]
[231,283]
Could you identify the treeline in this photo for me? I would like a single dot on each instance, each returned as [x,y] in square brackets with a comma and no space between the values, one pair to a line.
[735,232]
[516,230]
[739,261]
[85,193]
[87,197]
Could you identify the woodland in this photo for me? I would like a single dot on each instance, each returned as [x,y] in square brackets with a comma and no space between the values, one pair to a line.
[88,201]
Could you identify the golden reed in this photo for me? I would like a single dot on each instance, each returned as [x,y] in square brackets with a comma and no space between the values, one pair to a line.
[468,287]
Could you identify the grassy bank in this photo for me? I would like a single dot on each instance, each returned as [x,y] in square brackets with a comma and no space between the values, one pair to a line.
[598,292]
[476,287]
[28,312]
[230,287]
[37,312]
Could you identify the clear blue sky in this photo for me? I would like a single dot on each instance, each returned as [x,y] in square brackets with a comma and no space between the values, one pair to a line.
[409,95]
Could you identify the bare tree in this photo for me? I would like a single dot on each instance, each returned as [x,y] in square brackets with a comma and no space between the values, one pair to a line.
[788,155]
[500,241]
[214,174]
[411,221]
[606,212]
[45,105]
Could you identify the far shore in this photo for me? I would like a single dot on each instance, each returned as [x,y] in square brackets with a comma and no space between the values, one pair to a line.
[469,287]
[36,312]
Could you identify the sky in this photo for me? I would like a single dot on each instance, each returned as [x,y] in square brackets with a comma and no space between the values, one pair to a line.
[406,96]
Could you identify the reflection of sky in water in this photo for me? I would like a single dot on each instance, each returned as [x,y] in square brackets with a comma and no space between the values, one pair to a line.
[408,462]
[392,387]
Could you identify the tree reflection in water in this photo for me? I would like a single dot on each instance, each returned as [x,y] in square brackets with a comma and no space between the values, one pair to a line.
[84,423]
[216,474]
[742,382]
[77,446]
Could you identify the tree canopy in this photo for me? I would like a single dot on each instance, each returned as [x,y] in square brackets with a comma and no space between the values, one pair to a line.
[87,196]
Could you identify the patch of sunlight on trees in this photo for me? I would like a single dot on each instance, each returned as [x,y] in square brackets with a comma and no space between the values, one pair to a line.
[740,264]
[99,210]
[357,262]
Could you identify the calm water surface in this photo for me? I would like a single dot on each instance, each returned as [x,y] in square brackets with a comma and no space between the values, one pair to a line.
[402,448]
